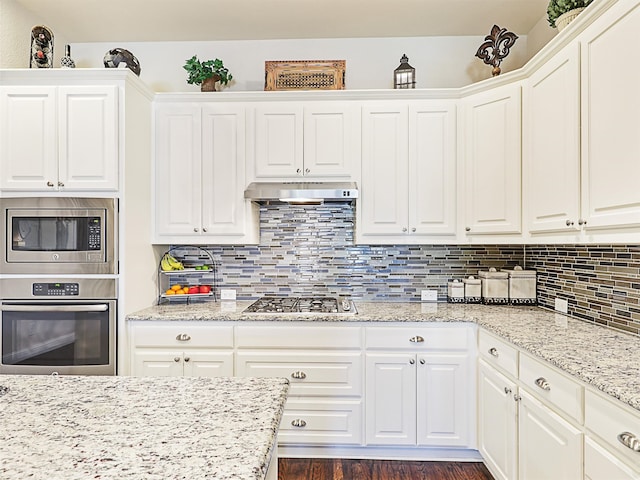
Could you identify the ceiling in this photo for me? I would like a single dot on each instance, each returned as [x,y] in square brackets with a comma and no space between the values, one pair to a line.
[83,21]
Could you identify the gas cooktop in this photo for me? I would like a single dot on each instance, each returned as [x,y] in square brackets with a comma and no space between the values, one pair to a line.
[310,304]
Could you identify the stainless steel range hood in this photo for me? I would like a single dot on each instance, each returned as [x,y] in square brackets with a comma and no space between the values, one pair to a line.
[305,193]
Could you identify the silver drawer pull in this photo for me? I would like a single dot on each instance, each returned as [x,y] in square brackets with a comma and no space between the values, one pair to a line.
[543,384]
[183,337]
[176,359]
[416,339]
[629,440]
[493,351]
[298,375]
[298,422]
[507,390]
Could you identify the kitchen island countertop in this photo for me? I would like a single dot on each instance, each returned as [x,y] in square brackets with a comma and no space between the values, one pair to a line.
[597,355]
[151,428]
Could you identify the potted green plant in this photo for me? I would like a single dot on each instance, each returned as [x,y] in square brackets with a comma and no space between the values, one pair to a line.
[561,12]
[207,73]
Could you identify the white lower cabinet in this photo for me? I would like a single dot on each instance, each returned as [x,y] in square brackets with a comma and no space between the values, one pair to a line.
[181,349]
[424,395]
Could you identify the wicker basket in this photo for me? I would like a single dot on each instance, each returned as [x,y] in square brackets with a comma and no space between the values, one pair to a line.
[566,18]
[305,75]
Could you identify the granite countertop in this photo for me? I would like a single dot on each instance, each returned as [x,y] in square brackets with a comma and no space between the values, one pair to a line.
[151,428]
[599,356]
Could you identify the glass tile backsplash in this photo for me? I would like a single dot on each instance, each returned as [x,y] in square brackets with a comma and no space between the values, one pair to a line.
[311,250]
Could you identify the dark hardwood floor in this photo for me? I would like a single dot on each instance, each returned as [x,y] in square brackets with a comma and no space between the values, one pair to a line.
[339,469]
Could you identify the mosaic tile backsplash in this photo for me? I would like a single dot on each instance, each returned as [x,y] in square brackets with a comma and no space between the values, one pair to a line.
[311,250]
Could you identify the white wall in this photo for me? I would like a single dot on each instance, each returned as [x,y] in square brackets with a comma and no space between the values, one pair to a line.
[440,62]
[539,36]
[15,35]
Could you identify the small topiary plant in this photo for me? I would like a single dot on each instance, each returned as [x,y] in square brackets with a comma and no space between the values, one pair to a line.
[558,7]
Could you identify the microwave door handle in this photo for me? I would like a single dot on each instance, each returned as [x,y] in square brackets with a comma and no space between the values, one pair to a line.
[55,308]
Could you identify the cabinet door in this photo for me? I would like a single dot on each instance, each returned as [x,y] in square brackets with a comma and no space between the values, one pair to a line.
[157,363]
[549,447]
[178,198]
[28,138]
[610,126]
[383,202]
[390,409]
[223,174]
[497,422]
[551,144]
[445,400]
[432,168]
[279,140]
[88,132]
[493,161]
[331,139]
[203,363]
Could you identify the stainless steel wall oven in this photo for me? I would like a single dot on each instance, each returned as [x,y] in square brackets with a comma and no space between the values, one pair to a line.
[66,326]
[51,235]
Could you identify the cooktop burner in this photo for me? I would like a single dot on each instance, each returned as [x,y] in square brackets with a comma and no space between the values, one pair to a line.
[301,305]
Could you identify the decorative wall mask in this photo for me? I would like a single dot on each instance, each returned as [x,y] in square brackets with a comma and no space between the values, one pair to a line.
[496,47]
[41,55]
[113,58]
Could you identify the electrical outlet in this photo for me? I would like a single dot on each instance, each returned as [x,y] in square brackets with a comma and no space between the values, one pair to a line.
[429,296]
[227,294]
[561,305]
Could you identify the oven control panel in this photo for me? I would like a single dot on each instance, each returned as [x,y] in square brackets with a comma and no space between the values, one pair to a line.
[55,289]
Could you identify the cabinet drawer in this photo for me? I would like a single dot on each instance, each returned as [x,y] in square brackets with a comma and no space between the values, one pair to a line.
[168,334]
[321,422]
[498,353]
[606,419]
[288,336]
[552,386]
[310,373]
[599,464]
[420,337]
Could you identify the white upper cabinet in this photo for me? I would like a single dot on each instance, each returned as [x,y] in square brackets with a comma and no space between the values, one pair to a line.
[199,187]
[306,139]
[408,188]
[610,120]
[59,138]
[551,144]
[493,161]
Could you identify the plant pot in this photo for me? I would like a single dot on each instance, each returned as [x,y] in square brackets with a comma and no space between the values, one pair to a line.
[209,84]
[566,18]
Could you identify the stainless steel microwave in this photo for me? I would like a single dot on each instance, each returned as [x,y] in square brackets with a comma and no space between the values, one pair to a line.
[51,235]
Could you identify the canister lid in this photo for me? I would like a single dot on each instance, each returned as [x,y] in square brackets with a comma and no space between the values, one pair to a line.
[471,280]
[455,284]
[492,273]
[518,272]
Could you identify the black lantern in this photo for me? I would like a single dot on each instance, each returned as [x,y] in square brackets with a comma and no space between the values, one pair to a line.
[405,75]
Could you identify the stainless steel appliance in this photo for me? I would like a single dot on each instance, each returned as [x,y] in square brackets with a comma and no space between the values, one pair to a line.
[59,235]
[310,304]
[66,326]
[302,192]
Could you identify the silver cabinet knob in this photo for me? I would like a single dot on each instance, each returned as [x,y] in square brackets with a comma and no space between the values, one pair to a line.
[467,229]
[186,359]
[582,222]
[422,362]
[404,230]
[306,170]
[176,359]
[183,337]
[543,384]
[416,339]
[60,184]
[49,184]
[507,390]
[412,361]
[569,223]
[299,375]
[298,422]
[493,351]
[195,229]
[298,170]
[413,229]
[517,398]
[204,230]
[630,441]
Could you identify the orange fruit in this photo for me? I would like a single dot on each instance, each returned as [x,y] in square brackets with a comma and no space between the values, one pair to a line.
[170,292]
[175,288]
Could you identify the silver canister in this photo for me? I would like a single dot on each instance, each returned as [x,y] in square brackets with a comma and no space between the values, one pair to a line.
[472,289]
[522,286]
[455,291]
[495,287]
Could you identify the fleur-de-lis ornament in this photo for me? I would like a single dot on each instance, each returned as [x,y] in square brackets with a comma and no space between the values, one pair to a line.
[496,47]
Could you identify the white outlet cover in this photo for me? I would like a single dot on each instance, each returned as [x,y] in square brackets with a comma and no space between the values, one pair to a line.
[429,295]
[561,305]
[227,294]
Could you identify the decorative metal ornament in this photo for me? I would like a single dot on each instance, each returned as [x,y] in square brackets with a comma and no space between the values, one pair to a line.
[67,61]
[113,58]
[41,54]
[405,75]
[496,47]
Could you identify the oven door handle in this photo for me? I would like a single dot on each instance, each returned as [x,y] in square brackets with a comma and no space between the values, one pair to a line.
[54,308]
